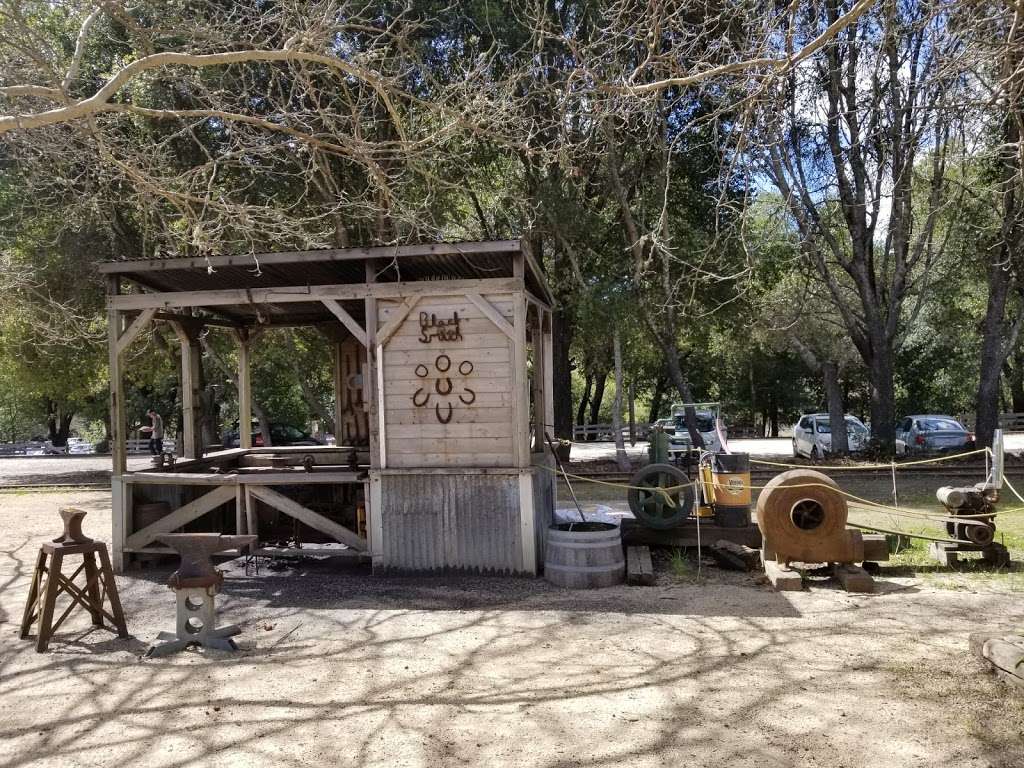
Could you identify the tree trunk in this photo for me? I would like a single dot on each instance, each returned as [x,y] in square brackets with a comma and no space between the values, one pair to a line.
[993,356]
[836,414]
[675,372]
[620,447]
[58,425]
[562,330]
[656,398]
[581,409]
[600,380]
[883,413]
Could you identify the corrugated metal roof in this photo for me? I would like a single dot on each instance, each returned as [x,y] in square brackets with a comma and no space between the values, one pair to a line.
[333,266]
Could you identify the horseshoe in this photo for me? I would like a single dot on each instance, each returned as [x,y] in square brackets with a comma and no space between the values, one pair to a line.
[447,363]
[437,411]
[462,365]
[425,371]
[437,386]
[472,397]
[416,402]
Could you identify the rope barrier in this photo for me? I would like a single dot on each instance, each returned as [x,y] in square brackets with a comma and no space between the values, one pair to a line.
[848,468]
[855,502]
[664,491]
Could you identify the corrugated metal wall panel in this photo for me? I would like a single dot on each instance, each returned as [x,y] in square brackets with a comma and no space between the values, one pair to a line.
[543,510]
[459,521]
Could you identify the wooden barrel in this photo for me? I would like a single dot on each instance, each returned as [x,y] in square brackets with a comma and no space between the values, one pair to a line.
[584,555]
[144,515]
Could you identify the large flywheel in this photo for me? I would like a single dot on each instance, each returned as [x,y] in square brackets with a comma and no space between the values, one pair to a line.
[650,506]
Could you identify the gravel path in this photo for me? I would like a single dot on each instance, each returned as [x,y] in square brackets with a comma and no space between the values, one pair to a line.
[341,668]
[61,470]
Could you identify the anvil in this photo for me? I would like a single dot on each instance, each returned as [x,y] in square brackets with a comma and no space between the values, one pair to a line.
[72,527]
[196,550]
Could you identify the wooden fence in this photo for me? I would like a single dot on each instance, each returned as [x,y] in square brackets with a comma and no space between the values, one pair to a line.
[606,432]
[1011,422]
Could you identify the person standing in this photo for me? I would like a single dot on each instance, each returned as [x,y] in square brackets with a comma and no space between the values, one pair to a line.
[156,432]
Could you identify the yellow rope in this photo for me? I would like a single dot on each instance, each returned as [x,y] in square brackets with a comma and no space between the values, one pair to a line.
[666,491]
[844,468]
[663,491]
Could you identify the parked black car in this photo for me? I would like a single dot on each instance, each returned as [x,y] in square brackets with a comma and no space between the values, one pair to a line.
[280,434]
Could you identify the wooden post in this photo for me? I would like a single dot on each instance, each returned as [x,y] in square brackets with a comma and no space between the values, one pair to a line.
[190,408]
[520,385]
[548,372]
[117,413]
[537,384]
[243,338]
[337,363]
[118,447]
[372,397]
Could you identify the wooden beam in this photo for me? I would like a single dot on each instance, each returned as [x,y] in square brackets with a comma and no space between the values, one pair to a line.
[378,388]
[243,339]
[326,254]
[538,274]
[117,408]
[138,325]
[190,406]
[371,402]
[287,294]
[492,314]
[537,382]
[395,322]
[346,319]
[548,370]
[520,385]
[337,364]
[305,515]
[182,516]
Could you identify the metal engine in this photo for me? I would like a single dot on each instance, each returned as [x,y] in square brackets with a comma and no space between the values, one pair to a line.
[976,504]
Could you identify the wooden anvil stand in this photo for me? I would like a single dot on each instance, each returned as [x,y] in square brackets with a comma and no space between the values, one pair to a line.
[48,582]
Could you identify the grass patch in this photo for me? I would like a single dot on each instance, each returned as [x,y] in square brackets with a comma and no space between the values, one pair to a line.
[683,568]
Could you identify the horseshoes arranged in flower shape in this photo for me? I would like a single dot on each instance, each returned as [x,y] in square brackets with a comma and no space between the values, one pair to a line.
[443,387]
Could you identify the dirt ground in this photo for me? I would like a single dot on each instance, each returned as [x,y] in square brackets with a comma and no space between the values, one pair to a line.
[340,668]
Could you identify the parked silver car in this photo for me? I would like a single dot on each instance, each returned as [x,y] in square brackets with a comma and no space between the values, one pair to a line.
[812,435]
[933,433]
[679,441]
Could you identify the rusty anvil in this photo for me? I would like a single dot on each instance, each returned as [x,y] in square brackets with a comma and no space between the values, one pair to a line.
[196,550]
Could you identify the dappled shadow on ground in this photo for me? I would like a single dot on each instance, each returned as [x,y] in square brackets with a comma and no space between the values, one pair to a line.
[483,687]
[332,584]
[342,668]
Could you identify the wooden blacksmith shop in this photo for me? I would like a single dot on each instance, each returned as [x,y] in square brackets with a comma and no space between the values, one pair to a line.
[441,358]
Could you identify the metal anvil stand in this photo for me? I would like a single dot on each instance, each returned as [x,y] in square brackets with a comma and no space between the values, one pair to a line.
[195,584]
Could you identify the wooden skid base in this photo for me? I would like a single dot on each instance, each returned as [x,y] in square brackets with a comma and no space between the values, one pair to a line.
[994,554]
[639,569]
[853,578]
[637,534]
[782,578]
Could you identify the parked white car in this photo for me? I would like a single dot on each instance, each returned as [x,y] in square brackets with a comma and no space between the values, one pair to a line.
[80,445]
[812,435]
